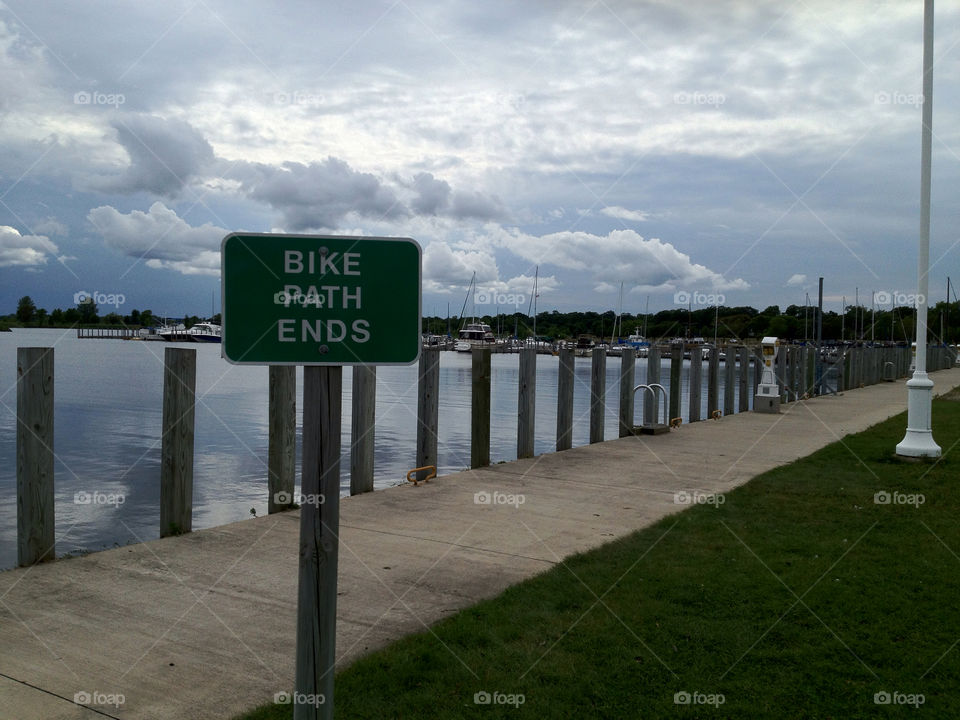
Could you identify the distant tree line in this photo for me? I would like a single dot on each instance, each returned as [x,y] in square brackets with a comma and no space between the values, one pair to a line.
[796,323]
[84,314]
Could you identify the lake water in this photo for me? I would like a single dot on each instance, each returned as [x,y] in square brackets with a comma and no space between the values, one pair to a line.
[107,420]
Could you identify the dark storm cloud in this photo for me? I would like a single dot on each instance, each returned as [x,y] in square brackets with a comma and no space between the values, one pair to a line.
[164,156]
[319,194]
[433,195]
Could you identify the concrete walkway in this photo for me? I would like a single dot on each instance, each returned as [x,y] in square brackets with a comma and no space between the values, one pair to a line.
[202,626]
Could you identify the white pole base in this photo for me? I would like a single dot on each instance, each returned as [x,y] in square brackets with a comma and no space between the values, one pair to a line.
[918,441]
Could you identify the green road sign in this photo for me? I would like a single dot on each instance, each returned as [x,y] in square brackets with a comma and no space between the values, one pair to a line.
[320,300]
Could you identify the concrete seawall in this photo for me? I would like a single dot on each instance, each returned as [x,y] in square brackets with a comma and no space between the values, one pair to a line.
[202,625]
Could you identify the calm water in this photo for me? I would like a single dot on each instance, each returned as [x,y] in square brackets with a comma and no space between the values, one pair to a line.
[107,420]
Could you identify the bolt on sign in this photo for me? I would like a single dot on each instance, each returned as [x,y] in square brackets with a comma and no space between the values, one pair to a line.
[320,299]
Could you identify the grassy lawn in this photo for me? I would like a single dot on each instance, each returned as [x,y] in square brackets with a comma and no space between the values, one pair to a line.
[798,597]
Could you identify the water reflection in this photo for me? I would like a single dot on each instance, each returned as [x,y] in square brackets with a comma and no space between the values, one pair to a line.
[107,420]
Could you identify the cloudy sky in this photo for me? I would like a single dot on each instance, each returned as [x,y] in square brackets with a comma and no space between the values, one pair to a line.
[729,149]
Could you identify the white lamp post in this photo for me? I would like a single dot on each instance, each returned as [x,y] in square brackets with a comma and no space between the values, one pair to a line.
[918,441]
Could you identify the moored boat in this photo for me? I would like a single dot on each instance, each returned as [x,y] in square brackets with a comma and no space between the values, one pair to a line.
[474,335]
[205,332]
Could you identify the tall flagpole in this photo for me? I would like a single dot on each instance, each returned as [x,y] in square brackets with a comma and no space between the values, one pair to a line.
[918,440]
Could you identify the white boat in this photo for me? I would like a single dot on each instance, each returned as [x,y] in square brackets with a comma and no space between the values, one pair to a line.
[474,335]
[174,333]
[205,332]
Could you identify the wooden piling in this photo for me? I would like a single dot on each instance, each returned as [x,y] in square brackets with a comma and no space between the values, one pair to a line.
[282,443]
[526,402]
[176,455]
[729,381]
[651,401]
[319,541]
[480,408]
[565,400]
[35,496]
[780,373]
[598,387]
[696,370]
[363,428]
[713,381]
[428,410]
[743,371]
[627,363]
[676,368]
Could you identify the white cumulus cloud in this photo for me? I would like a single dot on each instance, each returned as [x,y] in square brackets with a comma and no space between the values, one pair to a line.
[620,256]
[621,213]
[161,237]
[26,251]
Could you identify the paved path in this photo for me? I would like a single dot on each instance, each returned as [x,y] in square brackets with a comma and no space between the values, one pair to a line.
[202,626]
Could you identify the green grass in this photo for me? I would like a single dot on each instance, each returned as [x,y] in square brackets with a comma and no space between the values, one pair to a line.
[799,597]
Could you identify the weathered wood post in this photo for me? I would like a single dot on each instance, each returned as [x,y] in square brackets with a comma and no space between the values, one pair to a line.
[35,497]
[676,369]
[363,428]
[282,444]
[713,381]
[743,361]
[319,541]
[526,402]
[651,401]
[696,370]
[598,388]
[176,455]
[565,400]
[757,370]
[480,409]
[793,358]
[627,363]
[729,381]
[781,373]
[428,410]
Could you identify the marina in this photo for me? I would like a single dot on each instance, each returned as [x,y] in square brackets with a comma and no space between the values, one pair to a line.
[108,422]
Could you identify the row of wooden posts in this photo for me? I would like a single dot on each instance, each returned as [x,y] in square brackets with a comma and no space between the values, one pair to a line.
[796,371]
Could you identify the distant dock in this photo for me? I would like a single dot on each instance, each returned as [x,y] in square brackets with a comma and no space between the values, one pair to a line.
[109,333]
